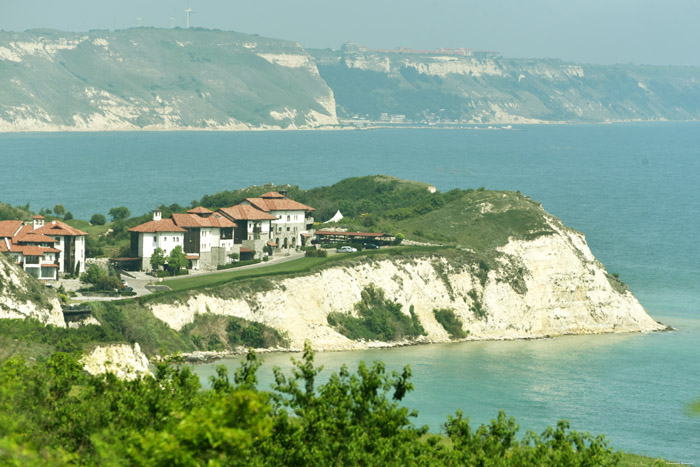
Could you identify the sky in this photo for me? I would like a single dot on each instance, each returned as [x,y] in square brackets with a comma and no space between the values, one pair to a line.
[655,32]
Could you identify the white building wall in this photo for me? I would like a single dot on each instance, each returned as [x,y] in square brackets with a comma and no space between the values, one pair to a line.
[80,252]
[209,236]
[166,241]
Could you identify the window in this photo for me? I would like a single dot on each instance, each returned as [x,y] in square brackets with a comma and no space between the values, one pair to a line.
[287,218]
[287,229]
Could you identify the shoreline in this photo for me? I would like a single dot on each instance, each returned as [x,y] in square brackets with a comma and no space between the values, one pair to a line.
[473,126]
[210,356]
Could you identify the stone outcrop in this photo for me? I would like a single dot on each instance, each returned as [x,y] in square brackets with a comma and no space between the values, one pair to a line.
[124,361]
[22,296]
[560,289]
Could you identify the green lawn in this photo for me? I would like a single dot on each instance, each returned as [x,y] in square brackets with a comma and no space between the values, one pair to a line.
[629,460]
[296,266]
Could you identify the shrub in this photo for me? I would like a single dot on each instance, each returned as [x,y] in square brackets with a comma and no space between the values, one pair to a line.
[68,216]
[379,319]
[98,219]
[314,253]
[171,273]
[451,323]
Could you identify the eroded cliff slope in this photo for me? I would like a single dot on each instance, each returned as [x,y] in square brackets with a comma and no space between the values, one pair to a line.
[547,285]
[22,296]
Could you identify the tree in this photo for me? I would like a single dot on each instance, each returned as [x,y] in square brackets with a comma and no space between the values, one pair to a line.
[119,214]
[98,277]
[92,275]
[398,239]
[157,259]
[98,219]
[59,210]
[177,260]
[68,216]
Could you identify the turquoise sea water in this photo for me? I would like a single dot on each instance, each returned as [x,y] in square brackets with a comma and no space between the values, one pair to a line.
[633,189]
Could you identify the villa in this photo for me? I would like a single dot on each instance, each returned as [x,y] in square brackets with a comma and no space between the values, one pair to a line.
[204,236]
[44,250]
[292,222]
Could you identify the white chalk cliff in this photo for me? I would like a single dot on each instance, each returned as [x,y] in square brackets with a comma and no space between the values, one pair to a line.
[19,293]
[562,290]
[122,360]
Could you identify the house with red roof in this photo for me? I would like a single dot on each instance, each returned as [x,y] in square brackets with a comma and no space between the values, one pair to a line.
[253,226]
[292,222]
[205,237]
[43,250]
[70,242]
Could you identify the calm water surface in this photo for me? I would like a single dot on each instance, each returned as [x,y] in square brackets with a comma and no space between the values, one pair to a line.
[633,189]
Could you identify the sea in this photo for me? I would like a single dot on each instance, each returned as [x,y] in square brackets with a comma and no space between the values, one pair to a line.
[633,189]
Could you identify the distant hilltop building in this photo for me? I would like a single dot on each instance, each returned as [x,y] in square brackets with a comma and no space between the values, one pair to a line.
[353,48]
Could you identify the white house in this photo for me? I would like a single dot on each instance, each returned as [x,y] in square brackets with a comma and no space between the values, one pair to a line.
[253,226]
[43,250]
[204,236]
[70,242]
[292,219]
[208,235]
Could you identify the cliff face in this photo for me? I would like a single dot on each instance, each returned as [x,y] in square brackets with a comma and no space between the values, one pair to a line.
[158,79]
[165,79]
[560,289]
[122,360]
[431,88]
[21,296]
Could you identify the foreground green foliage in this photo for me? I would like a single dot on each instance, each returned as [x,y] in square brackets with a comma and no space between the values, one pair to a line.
[377,319]
[52,412]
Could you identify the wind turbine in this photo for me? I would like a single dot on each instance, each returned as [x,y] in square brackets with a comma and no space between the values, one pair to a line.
[139,19]
[188,11]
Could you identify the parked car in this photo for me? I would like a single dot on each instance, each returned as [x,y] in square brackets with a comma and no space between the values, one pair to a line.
[346,249]
[370,246]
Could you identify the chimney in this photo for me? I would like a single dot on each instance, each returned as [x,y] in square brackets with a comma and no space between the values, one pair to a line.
[38,222]
[157,215]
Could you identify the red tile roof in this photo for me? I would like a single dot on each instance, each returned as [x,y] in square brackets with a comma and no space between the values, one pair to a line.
[247,213]
[272,194]
[31,250]
[193,220]
[246,250]
[200,210]
[60,229]
[9,228]
[163,225]
[38,217]
[33,237]
[272,243]
[49,265]
[278,204]
[192,257]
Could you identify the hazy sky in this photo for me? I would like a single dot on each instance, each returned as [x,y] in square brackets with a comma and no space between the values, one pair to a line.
[590,31]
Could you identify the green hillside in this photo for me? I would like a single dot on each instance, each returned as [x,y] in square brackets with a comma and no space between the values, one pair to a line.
[158,78]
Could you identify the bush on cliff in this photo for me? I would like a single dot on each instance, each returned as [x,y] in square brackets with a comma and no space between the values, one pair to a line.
[378,319]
